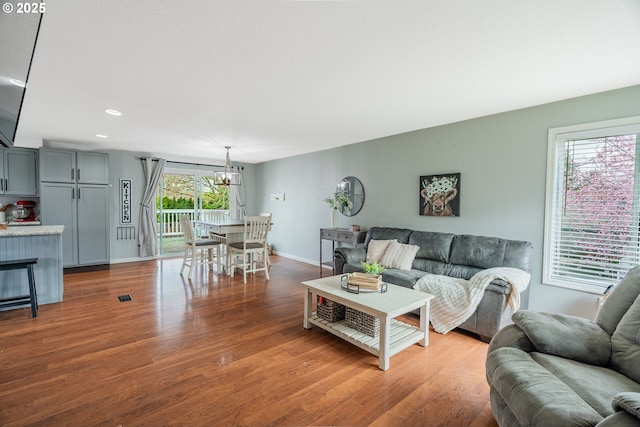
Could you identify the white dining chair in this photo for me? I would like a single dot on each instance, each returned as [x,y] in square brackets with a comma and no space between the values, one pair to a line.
[268,250]
[254,242]
[198,251]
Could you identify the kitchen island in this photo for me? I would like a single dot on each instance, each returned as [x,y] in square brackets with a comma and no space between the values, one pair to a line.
[35,241]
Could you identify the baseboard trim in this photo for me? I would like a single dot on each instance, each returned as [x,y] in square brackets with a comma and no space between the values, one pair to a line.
[297,258]
[85,268]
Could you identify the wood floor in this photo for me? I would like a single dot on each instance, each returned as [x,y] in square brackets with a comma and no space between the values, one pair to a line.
[213,351]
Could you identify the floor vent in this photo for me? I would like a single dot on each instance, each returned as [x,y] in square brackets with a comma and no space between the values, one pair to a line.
[124,298]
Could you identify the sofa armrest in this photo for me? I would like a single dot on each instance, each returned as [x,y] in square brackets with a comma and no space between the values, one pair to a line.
[346,255]
[619,419]
[627,411]
[565,336]
[629,402]
[511,336]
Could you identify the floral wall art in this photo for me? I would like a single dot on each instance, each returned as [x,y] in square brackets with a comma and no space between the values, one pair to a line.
[440,195]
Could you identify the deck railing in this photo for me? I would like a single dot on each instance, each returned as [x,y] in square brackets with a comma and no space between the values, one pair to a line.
[169,219]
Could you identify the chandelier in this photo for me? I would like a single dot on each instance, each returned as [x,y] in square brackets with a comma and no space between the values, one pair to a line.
[229,175]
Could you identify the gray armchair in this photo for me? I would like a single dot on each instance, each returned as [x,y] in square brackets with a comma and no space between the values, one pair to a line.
[553,369]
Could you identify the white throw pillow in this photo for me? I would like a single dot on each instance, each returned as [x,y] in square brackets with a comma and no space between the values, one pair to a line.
[399,255]
[376,250]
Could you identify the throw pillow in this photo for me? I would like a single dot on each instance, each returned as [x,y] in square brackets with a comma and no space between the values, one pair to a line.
[376,250]
[399,255]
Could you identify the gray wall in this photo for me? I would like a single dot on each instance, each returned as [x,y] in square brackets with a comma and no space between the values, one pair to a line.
[502,159]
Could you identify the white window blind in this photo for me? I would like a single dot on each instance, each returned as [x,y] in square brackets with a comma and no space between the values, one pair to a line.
[592,218]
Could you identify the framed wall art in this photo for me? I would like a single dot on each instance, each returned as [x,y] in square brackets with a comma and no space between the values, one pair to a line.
[440,195]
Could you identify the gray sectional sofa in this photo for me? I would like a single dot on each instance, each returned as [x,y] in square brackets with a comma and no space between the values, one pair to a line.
[459,256]
[550,369]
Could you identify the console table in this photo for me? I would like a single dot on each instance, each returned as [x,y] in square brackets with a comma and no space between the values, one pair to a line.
[341,235]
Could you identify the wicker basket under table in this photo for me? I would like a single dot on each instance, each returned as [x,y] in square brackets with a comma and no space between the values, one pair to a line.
[329,310]
[362,322]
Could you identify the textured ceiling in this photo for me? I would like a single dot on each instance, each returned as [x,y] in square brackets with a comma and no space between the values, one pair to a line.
[275,78]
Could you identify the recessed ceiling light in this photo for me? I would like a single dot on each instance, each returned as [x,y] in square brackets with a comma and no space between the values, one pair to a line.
[113,112]
[99,135]
[17,82]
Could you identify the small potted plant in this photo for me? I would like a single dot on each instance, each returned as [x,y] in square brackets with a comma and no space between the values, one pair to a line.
[371,279]
[339,201]
[374,268]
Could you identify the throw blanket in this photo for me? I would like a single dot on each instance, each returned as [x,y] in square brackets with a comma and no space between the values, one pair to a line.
[456,299]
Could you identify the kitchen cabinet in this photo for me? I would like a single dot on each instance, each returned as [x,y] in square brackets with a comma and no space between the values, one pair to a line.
[83,208]
[74,166]
[18,172]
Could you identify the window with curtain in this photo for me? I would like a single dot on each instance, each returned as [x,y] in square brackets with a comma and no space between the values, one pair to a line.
[592,210]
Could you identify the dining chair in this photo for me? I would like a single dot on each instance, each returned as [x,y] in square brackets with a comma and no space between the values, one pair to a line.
[254,242]
[268,250]
[197,250]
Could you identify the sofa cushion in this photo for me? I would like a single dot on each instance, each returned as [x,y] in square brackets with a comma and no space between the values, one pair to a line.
[536,396]
[387,233]
[429,266]
[517,254]
[617,303]
[627,401]
[625,343]
[376,250]
[461,271]
[402,277]
[433,245]
[596,385]
[477,251]
[399,255]
[548,331]
[393,276]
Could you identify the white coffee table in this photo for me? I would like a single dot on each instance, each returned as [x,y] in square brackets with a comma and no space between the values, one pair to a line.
[395,335]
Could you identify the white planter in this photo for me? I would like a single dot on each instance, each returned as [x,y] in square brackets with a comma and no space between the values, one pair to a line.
[334,218]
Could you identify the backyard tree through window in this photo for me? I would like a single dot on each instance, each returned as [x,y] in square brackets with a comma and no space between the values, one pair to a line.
[184,194]
[591,230]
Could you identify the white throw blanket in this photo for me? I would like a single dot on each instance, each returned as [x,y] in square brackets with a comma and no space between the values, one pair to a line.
[456,299]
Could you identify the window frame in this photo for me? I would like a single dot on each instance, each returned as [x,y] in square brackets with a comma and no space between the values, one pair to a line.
[556,136]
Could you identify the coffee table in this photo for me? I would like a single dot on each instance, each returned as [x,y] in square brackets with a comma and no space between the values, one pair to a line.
[395,335]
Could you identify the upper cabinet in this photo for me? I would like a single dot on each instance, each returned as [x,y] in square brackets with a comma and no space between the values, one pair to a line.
[74,166]
[93,168]
[18,172]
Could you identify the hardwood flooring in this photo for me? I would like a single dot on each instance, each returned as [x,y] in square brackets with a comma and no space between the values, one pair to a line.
[215,352]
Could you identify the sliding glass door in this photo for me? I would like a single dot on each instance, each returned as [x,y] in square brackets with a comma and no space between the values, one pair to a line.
[194,195]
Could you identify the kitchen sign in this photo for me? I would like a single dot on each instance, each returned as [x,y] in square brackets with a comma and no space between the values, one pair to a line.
[125,201]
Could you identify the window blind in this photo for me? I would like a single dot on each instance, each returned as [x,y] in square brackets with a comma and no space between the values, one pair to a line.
[594,237]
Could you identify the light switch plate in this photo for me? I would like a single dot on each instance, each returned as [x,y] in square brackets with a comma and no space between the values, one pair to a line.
[277,197]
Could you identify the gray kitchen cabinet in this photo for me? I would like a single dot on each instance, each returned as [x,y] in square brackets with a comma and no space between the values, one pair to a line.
[58,207]
[92,168]
[93,224]
[82,167]
[82,208]
[18,172]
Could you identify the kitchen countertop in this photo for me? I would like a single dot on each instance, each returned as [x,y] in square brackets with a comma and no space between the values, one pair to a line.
[33,230]
[23,223]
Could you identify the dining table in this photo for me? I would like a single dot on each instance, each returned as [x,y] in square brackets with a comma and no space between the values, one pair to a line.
[222,227]
[229,231]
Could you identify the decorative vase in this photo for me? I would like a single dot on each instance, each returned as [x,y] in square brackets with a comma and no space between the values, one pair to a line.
[334,218]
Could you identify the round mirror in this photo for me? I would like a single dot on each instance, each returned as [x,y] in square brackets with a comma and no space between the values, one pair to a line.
[353,190]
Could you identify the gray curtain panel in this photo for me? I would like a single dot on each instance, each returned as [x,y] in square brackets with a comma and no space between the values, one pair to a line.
[241,197]
[147,237]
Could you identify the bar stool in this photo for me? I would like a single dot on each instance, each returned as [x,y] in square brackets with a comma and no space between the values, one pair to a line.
[32,298]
